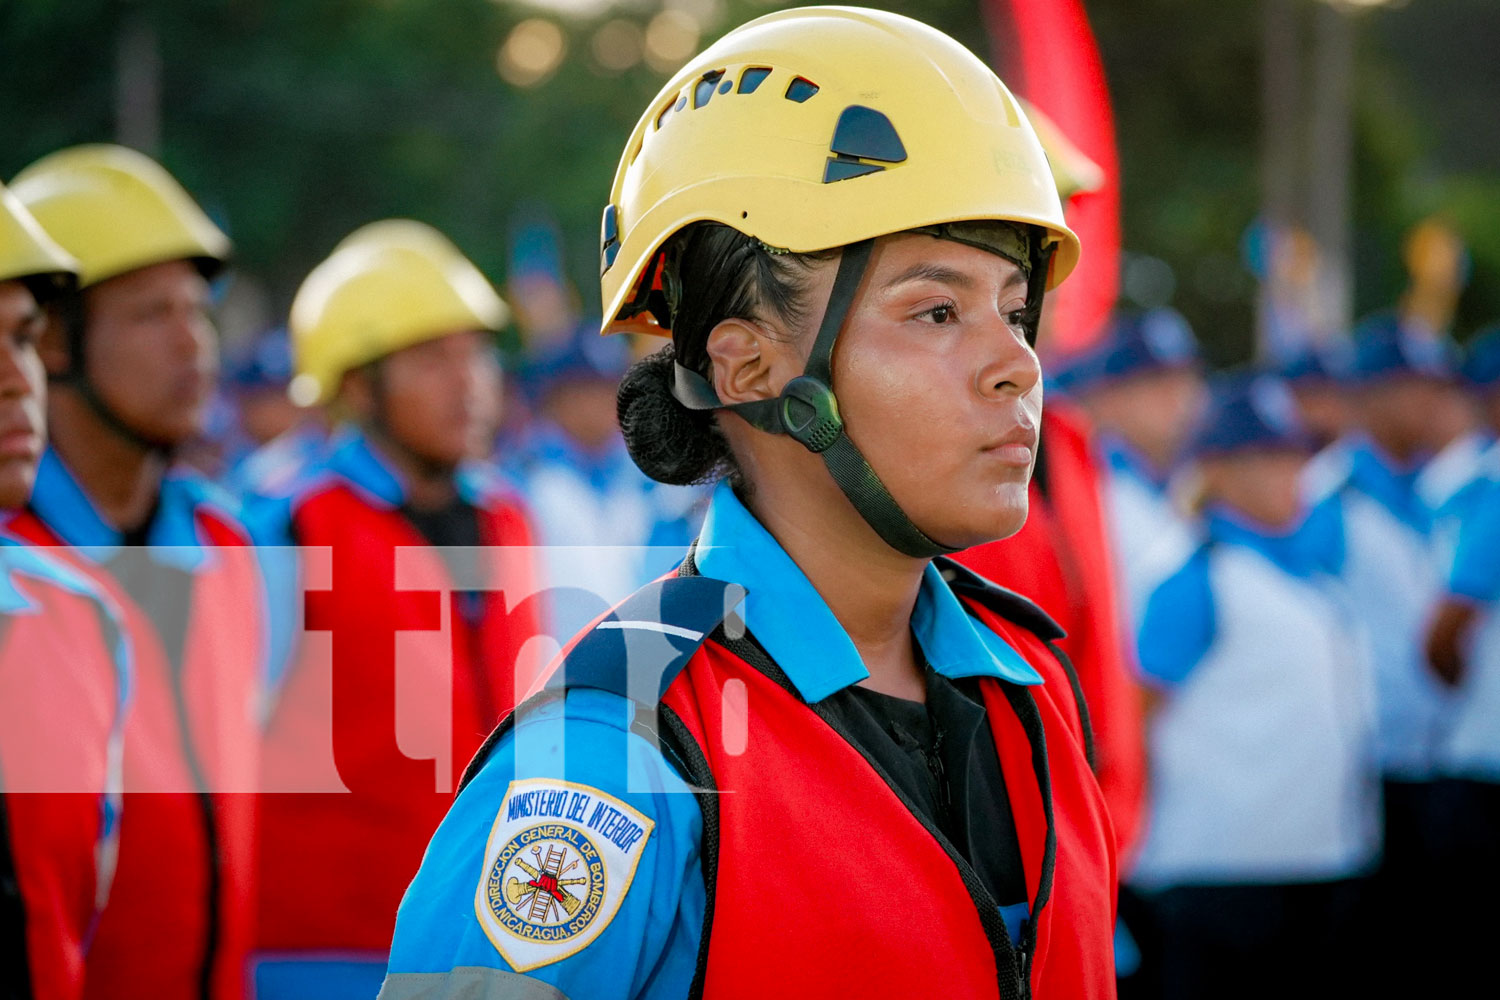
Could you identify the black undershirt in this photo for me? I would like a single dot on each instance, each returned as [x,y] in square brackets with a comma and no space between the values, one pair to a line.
[942,757]
[453,530]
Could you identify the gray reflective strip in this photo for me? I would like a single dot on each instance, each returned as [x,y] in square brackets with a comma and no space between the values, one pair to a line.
[467,983]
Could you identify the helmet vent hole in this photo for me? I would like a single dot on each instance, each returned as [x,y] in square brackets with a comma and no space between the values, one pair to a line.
[752,78]
[800,89]
[704,90]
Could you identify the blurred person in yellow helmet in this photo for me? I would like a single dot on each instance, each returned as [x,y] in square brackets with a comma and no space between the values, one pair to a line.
[34,272]
[131,360]
[846,225]
[64,675]
[393,332]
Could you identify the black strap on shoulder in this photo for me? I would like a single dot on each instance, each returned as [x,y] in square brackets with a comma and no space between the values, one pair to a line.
[636,651]
[1006,603]
[15,963]
[640,647]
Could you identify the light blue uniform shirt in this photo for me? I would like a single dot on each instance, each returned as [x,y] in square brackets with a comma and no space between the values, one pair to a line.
[1472,743]
[649,949]
[1179,626]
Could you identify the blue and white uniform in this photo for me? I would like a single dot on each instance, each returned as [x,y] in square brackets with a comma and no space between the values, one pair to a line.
[605,527]
[1262,752]
[1151,535]
[1391,571]
[1471,746]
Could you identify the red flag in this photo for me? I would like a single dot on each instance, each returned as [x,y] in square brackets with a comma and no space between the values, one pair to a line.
[1045,52]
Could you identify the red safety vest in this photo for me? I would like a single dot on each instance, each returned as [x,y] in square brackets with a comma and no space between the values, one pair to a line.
[1062,560]
[821,882]
[60,694]
[178,923]
[335,863]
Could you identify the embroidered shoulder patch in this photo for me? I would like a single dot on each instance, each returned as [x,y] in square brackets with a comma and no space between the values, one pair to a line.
[560,858]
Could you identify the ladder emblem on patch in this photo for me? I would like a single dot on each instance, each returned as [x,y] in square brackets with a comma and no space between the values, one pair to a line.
[547,883]
[560,859]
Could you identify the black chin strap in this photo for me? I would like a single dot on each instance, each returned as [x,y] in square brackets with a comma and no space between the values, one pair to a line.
[808,411]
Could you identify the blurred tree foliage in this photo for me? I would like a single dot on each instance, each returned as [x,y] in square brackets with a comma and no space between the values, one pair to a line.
[297,120]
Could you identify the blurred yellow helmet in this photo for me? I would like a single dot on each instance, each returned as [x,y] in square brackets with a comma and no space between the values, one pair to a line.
[1072,168]
[818,127]
[388,285]
[27,253]
[117,210]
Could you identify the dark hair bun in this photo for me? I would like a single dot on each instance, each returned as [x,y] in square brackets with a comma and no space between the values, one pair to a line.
[669,442]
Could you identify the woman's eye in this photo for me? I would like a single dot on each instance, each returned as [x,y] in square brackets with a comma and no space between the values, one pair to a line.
[1016,318]
[944,313]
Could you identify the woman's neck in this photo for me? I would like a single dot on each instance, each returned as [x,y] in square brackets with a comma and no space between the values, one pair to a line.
[870,587]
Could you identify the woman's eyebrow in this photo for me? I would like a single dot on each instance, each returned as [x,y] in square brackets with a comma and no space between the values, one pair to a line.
[947,275]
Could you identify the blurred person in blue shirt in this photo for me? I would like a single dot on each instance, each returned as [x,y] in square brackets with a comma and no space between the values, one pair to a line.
[1143,387]
[1400,386]
[1264,816]
[1316,376]
[1463,649]
[276,439]
[606,528]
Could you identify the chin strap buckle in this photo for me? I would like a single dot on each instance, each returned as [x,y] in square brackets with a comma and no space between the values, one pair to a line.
[810,413]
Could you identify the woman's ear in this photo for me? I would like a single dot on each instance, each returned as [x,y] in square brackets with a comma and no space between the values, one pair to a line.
[741,354]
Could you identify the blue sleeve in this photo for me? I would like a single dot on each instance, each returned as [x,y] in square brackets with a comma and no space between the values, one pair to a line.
[455,925]
[268,522]
[1476,563]
[1178,627]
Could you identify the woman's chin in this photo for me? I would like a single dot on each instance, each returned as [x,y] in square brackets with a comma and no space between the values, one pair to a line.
[995,525]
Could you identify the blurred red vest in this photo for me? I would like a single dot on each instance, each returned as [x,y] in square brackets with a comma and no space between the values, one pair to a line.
[60,703]
[180,911]
[335,862]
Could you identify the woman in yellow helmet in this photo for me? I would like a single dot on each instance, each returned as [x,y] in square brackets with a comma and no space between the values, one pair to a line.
[822,759]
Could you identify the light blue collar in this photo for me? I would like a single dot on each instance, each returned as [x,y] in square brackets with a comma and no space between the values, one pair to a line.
[60,502]
[1378,476]
[353,457]
[12,600]
[1311,546]
[790,619]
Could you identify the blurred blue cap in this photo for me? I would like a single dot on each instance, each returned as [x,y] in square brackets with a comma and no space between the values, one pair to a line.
[1318,363]
[584,356]
[1383,348]
[264,363]
[1135,343]
[1482,364]
[1249,411]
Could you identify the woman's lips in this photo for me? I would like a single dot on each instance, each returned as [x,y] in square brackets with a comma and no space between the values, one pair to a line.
[21,443]
[1015,448]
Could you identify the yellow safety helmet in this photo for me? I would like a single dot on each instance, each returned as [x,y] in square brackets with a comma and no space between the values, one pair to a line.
[388,285]
[117,210]
[1072,168]
[818,127]
[28,254]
